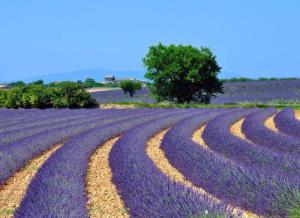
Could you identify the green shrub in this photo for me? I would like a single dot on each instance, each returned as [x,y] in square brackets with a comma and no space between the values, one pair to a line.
[71,95]
[17,84]
[66,95]
[3,94]
[90,83]
[130,86]
[14,97]
[36,96]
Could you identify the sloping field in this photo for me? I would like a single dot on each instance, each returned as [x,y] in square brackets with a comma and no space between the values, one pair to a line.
[234,92]
[150,163]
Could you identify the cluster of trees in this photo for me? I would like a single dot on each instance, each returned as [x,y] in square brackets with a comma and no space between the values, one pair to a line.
[91,83]
[245,79]
[87,83]
[37,95]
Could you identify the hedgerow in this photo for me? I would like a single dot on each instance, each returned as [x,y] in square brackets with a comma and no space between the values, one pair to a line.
[67,95]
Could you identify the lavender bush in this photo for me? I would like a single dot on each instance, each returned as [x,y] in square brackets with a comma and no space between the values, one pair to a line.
[286,122]
[262,177]
[146,191]
[50,119]
[251,156]
[224,179]
[14,135]
[58,189]
[254,129]
[14,156]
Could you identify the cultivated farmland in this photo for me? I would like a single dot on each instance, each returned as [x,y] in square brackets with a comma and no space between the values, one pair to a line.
[150,163]
[234,92]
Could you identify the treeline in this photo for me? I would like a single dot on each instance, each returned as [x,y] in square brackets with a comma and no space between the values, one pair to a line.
[88,83]
[91,83]
[38,95]
[246,79]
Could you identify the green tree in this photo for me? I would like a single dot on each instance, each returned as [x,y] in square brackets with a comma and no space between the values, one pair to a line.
[130,86]
[14,97]
[3,94]
[36,96]
[182,73]
[89,83]
[38,82]
[71,95]
[18,83]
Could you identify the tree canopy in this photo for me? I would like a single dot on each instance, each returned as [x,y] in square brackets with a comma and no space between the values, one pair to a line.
[129,86]
[182,73]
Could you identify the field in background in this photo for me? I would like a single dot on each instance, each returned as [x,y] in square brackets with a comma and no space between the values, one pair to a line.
[234,92]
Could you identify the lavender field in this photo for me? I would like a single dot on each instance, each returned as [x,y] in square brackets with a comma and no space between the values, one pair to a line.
[234,92]
[150,163]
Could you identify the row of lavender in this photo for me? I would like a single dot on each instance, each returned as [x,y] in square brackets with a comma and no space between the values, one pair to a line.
[267,181]
[258,177]
[20,148]
[58,189]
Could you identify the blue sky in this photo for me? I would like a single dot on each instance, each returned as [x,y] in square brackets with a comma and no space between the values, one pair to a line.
[250,38]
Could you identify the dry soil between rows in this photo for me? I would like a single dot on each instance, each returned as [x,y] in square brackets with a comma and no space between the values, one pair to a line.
[13,191]
[197,137]
[270,123]
[236,130]
[297,114]
[103,197]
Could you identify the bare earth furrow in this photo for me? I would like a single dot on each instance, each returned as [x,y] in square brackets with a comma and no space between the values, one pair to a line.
[297,114]
[286,121]
[103,198]
[197,137]
[13,191]
[270,123]
[236,130]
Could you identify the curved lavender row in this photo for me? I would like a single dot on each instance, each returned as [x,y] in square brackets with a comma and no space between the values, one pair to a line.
[14,156]
[15,117]
[18,113]
[286,122]
[145,190]
[227,181]
[13,136]
[10,117]
[58,189]
[219,138]
[51,118]
[255,130]
[38,122]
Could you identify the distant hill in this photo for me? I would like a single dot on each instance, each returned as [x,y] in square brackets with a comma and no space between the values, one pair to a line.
[99,74]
